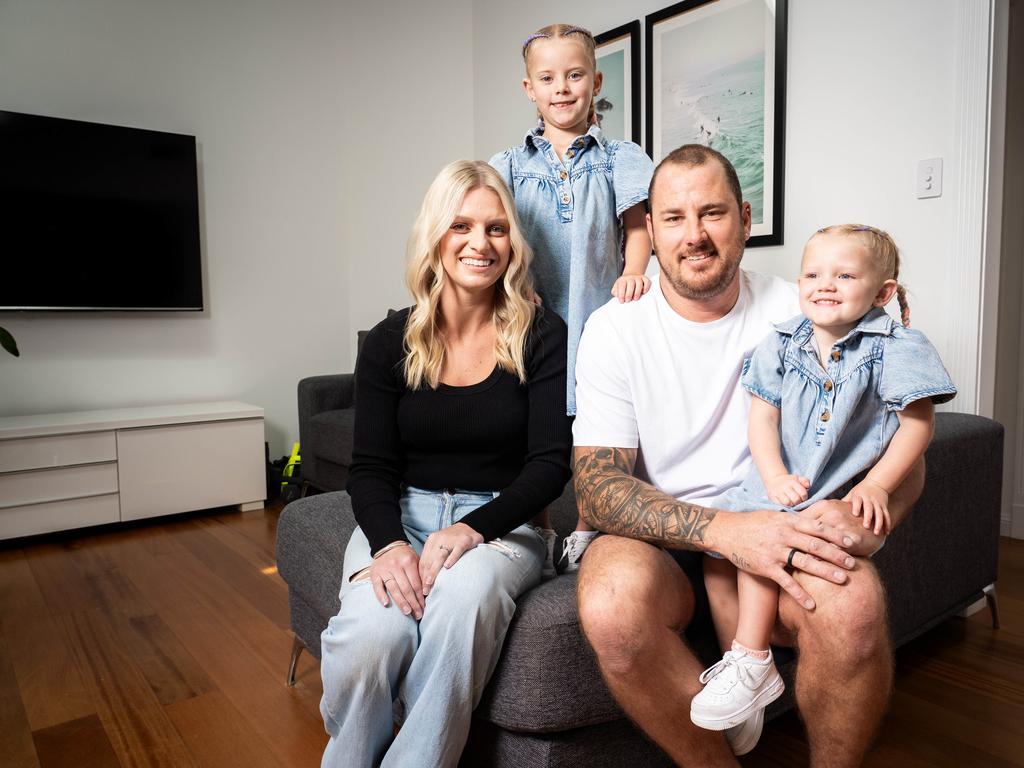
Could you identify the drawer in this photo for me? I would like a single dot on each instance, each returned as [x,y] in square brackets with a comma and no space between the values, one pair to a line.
[58,516]
[41,485]
[57,451]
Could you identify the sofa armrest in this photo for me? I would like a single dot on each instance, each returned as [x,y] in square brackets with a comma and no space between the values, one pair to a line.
[943,555]
[323,393]
[312,534]
[326,393]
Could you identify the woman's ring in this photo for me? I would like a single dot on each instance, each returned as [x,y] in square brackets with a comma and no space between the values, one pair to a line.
[789,560]
[389,578]
[444,548]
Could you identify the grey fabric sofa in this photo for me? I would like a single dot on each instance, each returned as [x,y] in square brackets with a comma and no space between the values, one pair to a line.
[546,704]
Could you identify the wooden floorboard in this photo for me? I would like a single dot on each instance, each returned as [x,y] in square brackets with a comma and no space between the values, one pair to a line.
[166,642]
[15,732]
[79,743]
[136,724]
[219,736]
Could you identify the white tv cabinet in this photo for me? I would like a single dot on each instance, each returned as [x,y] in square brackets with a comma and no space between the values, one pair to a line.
[69,470]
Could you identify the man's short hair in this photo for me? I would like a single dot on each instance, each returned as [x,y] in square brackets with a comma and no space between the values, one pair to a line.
[697,154]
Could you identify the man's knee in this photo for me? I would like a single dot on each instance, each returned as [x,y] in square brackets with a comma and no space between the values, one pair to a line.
[850,620]
[628,592]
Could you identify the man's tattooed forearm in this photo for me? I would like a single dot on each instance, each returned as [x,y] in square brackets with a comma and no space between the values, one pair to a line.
[613,501]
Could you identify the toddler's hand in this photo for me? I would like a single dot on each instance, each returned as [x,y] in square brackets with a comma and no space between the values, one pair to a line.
[788,490]
[873,500]
[631,287]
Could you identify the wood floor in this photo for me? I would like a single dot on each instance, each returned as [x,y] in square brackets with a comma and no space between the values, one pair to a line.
[166,644]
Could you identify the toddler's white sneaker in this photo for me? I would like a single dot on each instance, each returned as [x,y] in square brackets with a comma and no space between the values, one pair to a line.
[735,688]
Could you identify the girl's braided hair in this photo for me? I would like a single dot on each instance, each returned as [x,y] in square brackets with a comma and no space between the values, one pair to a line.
[887,257]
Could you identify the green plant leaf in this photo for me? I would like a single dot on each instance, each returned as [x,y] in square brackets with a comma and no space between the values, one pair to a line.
[7,342]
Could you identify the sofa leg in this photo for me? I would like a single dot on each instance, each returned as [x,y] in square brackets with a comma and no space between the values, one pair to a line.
[993,604]
[296,650]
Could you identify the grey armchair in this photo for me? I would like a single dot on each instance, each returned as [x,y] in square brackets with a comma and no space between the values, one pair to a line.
[326,418]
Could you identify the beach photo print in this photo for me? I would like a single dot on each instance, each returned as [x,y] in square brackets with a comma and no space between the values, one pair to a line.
[618,104]
[716,74]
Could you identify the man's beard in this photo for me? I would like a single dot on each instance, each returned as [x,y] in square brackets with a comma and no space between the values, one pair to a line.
[709,284]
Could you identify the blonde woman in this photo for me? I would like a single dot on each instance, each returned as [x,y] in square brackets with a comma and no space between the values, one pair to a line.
[460,438]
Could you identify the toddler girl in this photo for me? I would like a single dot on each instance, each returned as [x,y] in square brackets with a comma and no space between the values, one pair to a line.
[841,389]
[580,198]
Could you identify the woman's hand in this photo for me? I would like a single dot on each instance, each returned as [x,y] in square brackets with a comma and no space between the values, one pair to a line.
[443,549]
[396,573]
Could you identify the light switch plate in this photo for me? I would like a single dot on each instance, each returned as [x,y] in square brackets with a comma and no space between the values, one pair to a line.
[929,178]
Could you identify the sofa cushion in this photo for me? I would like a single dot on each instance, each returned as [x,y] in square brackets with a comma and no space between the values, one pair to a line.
[330,435]
[547,679]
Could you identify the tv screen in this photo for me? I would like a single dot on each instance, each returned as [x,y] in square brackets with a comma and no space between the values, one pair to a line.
[97,217]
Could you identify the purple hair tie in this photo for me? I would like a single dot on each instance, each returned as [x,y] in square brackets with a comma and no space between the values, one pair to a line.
[531,38]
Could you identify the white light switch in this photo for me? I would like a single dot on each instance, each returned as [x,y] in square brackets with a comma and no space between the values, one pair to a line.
[929,178]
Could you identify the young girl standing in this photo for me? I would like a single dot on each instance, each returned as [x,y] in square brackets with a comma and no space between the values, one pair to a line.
[580,198]
[841,389]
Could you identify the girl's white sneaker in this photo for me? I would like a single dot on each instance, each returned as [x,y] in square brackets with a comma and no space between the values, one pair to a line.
[735,688]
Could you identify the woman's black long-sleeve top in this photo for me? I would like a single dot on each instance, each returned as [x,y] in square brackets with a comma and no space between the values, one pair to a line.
[497,435]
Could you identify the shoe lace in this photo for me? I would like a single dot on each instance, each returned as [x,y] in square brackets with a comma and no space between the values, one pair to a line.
[573,549]
[729,664]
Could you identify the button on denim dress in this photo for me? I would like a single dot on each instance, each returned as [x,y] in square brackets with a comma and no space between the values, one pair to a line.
[837,421]
[571,215]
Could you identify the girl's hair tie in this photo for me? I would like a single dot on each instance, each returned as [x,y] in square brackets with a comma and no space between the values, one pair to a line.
[531,38]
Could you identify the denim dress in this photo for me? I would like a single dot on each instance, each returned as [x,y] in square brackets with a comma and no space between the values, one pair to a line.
[836,421]
[571,213]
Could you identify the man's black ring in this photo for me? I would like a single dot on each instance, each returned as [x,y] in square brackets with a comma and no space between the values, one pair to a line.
[789,560]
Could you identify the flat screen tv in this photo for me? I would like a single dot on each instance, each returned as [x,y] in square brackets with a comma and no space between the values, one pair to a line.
[97,217]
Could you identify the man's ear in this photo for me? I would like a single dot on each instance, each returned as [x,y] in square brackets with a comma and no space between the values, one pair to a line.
[885,293]
[747,220]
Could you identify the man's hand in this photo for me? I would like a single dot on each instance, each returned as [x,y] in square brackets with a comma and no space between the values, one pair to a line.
[761,543]
[839,515]
[787,490]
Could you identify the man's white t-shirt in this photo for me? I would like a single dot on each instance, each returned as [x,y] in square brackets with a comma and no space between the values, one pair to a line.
[649,379]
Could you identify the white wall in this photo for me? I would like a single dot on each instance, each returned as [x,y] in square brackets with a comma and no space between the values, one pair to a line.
[321,123]
[869,95]
[318,129]
[412,113]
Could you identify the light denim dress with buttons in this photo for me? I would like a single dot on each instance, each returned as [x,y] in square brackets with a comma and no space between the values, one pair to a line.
[571,215]
[836,421]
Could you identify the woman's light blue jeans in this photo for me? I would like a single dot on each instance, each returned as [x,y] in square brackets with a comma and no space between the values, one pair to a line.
[436,667]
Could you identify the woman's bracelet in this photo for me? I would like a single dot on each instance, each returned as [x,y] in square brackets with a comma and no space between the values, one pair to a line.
[391,546]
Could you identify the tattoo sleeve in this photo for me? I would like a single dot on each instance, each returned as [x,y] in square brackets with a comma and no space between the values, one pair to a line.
[612,500]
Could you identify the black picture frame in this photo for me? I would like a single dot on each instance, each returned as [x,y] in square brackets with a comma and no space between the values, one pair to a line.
[627,38]
[701,29]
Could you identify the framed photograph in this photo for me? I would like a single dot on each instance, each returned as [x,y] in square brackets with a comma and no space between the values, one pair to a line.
[618,104]
[716,75]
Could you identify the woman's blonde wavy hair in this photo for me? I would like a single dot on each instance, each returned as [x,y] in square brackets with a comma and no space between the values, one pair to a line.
[513,309]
